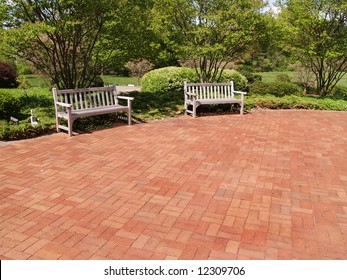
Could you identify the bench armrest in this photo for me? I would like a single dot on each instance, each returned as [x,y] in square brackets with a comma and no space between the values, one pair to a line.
[129,99]
[62,104]
[125,97]
[190,94]
[240,92]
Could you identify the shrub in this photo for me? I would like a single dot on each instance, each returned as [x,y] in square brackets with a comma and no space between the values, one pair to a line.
[171,79]
[339,92]
[277,89]
[7,76]
[250,75]
[10,132]
[9,106]
[283,78]
[168,79]
[240,81]
[24,69]
[97,82]
[23,82]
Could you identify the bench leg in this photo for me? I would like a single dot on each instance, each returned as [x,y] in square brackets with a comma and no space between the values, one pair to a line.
[129,117]
[241,109]
[242,102]
[69,126]
[57,121]
[194,108]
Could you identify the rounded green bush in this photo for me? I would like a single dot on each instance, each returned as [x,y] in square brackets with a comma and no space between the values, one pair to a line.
[9,106]
[283,78]
[240,81]
[168,79]
[340,92]
[280,89]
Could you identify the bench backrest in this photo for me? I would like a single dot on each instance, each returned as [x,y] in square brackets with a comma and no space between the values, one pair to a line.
[87,97]
[211,90]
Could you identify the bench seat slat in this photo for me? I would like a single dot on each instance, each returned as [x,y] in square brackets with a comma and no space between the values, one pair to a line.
[216,101]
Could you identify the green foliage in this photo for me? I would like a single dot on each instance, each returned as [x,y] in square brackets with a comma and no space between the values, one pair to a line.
[155,105]
[278,89]
[283,78]
[65,40]
[317,37]
[23,82]
[171,79]
[24,69]
[208,33]
[268,101]
[240,81]
[97,82]
[165,86]
[248,73]
[10,132]
[41,101]
[339,92]
[168,80]
[9,106]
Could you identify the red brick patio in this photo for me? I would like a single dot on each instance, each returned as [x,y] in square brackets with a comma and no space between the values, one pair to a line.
[266,185]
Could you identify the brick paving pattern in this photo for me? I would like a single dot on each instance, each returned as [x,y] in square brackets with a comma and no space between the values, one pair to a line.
[266,185]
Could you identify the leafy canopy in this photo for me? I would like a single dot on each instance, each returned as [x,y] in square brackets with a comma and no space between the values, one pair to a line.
[318,38]
[209,33]
[61,38]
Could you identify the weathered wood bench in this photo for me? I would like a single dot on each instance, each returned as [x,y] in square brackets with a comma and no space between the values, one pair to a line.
[210,93]
[71,104]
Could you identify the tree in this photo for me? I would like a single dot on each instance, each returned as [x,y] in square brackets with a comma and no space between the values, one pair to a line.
[267,53]
[138,68]
[305,76]
[318,38]
[210,33]
[63,39]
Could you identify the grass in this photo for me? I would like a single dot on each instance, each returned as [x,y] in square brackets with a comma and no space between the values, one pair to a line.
[119,81]
[271,77]
[36,81]
[146,106]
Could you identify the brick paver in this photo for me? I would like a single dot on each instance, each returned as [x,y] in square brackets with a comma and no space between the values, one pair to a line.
[266,185]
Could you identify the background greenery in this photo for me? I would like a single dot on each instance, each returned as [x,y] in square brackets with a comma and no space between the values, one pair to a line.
[162,103]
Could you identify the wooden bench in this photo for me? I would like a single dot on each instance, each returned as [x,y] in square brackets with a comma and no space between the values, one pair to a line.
[210,93]
[71,104]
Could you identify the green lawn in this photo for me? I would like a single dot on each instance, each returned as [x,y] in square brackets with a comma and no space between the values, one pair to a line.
[119,81]
[271,77]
